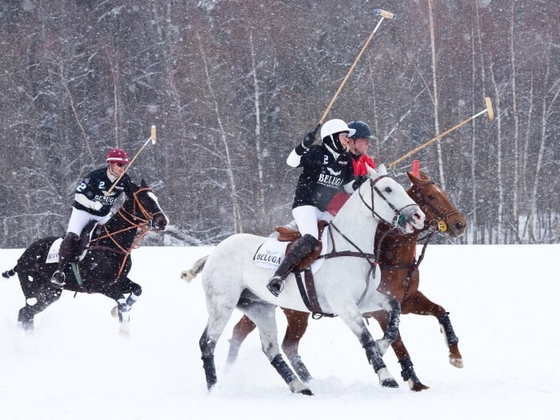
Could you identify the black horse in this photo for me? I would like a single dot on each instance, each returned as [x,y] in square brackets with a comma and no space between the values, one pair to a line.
[104,266]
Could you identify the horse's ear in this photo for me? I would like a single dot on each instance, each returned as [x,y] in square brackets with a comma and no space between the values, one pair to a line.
[422,179]
[382,169]
[413,178]
[143,183]
[372,173]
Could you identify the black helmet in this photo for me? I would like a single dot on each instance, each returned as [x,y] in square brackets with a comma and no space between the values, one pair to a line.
[362,130]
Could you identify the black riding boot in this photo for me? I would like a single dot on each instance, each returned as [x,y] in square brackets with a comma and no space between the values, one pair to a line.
[65,253]
[301,249]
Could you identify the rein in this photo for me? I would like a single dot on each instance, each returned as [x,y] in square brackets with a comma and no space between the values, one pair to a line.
[437,224]
[372,258]
[135,222]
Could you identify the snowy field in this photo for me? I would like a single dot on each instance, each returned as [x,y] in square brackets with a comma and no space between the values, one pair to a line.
[503,302]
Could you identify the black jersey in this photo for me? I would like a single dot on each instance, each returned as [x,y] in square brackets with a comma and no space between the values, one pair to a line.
[322,177]
[96,185]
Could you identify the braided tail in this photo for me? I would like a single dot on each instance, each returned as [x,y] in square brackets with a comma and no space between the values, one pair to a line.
[9,273]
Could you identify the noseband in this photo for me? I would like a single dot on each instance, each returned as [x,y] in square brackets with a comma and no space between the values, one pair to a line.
[398,218]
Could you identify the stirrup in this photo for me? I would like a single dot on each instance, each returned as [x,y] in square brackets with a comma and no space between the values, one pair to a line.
[276,285]
[58,278]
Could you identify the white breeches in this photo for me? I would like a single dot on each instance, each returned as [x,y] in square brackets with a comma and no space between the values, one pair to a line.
[306,218]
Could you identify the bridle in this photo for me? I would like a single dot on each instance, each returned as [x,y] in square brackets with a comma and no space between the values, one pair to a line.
[436,224]
[372,258]
[441,219]
[140,218]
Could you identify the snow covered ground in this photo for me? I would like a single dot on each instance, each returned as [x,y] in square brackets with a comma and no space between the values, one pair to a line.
[502,301]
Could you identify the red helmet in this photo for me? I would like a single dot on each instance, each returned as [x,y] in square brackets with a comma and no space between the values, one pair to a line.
[117,155]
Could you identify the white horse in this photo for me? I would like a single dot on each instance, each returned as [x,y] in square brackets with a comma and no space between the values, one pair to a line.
[345,286]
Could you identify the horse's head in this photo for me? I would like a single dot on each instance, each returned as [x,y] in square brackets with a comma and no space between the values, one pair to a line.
[388,201]
[145,206]
[440,211]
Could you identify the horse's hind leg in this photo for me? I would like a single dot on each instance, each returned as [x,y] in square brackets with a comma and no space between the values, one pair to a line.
[241,330]
[297,325]
[220,308]
[263,315]
[421,305]
[37,299]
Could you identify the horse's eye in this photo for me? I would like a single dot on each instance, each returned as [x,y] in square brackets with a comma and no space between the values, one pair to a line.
[388,190]
[431,197]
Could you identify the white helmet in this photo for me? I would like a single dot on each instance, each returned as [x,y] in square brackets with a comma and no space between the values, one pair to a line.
[335,126]
[330,131]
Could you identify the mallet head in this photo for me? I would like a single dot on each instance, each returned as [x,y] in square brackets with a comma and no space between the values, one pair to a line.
[153,134]
[489,108]
[384,13]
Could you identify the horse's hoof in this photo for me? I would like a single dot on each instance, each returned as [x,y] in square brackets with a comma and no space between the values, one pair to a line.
[306,392]
[389,383]
[417,386]
[298,387]
[28,326]
[458,363]
[115,312]
[124,330]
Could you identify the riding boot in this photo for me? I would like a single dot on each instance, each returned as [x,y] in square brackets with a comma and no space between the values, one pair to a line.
[65,253]
[301,249]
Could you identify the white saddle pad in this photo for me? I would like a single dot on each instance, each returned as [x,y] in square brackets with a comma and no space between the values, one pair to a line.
[272,251]
[52,256]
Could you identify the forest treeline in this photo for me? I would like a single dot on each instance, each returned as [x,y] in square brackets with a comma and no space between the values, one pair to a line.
[233,85]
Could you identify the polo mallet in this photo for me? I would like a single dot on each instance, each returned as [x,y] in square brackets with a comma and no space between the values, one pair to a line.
[152,138]
[377,12]
[489,110]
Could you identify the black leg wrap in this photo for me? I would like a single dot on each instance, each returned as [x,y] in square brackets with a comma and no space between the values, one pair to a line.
[449,333]
[407,371]
[26,318]
[209,371]
[394,320]
[300,368]
[283,369]
[374,356]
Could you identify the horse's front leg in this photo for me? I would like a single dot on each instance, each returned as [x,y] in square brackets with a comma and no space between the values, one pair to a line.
[134,290]
[407,370]
[297,325]
[391,330]
[373,353]
[114,292]
[421,305]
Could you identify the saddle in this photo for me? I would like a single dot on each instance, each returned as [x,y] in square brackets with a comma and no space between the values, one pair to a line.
[304,276]
[286,234]
[91,229]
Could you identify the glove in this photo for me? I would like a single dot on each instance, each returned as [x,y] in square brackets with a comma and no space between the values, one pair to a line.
[308,140]
[96,205]
[358,182]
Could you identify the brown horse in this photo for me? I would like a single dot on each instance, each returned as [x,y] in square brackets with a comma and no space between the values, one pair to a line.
[400,278]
